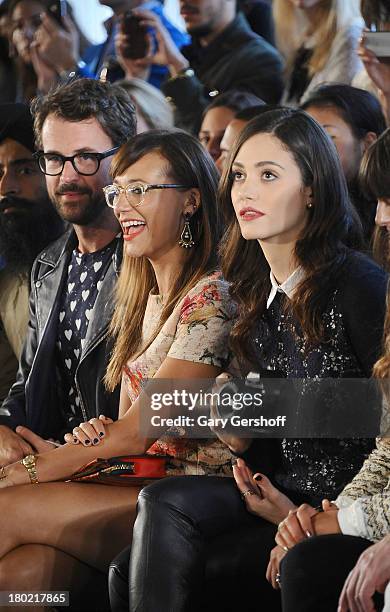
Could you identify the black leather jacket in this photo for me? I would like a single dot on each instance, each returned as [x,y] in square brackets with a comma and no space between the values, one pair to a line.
[35,399]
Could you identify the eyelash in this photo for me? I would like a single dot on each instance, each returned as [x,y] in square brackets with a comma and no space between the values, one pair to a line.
[235,174]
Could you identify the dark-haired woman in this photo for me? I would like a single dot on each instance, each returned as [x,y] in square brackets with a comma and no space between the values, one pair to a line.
[308,308]
[362,511]
[172,322]
[353,118]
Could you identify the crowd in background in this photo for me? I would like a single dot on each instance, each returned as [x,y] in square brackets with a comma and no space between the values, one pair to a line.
[191,205]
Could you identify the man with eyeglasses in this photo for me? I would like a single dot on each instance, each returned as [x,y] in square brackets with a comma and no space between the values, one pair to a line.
[78,129]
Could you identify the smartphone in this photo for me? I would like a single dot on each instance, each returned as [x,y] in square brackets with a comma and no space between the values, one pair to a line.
[138,43]
[58,10]
[378,42]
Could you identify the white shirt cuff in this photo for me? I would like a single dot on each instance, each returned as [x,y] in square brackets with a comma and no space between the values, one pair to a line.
[352,520]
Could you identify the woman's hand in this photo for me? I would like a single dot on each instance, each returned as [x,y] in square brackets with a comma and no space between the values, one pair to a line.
[370,574]
[296,526]
[46,74]
[273,569]
[261,497]
[58,45]
[378,71]
[305,522]
[236,444]
[13,475]
[90,432]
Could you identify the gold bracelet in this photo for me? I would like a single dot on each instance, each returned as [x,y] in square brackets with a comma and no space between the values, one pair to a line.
[30,463]
[2,473]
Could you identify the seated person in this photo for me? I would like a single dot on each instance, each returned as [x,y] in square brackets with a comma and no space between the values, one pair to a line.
[318,40]
[314,310]
[353,119]
[152,109]
[361,513]
[234,128]
[105,59]
[28,223]
[44,50]
[172,321]
[224,55]
[218,114]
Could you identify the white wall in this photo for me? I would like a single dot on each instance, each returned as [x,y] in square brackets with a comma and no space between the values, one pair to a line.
[90,15]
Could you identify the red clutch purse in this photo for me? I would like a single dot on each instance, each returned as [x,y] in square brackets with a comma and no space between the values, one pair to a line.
[125,471]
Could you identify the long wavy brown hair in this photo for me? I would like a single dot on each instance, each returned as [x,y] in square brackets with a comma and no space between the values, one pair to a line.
[187,164]
[333,225]
[375,180]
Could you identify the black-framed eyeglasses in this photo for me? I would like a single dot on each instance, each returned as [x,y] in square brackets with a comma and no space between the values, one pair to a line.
[86,163]
[135,192]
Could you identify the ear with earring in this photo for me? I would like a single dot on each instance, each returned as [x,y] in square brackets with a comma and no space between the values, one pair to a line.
[309,204]
[186,241]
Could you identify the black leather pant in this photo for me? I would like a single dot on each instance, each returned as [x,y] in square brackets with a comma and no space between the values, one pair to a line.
[313,572]
[195,547]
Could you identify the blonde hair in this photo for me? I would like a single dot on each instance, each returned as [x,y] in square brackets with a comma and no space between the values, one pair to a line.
[291,25]
[150,103]
[190,165]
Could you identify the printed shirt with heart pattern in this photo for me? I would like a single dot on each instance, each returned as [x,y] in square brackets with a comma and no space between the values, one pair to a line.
[86,272]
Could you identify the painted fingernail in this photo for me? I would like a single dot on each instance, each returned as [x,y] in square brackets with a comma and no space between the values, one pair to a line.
[95,440]
[258,477]
[75,440]
[309,535]
[101,433]
[234,460]
[87,442]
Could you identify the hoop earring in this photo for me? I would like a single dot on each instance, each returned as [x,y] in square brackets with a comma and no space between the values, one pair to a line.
[186,241]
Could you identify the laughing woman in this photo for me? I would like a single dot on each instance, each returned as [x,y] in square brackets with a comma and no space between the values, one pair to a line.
[309,308]
[172,321]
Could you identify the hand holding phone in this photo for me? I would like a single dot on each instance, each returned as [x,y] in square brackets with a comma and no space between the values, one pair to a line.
[137,46]
[378,43]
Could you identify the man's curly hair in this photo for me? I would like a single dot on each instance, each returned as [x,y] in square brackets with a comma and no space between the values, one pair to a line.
[84,98]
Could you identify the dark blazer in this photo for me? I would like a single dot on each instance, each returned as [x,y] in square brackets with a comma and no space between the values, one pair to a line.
[236,59]
[35,399]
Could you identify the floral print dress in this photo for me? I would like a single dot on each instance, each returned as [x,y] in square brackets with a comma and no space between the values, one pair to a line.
[197,331]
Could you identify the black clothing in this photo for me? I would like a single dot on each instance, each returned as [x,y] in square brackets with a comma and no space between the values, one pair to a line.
[182,523]
[314,571]
[237,59]
[36,399]
[259,16]
[300,74]
[208,552]
[86,272]
[312,469]
[16,123]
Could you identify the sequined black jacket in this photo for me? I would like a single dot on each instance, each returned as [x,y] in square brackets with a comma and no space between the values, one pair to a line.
[310,469]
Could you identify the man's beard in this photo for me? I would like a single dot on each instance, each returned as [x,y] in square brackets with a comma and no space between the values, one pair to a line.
[83,212]
[201,30]
[26,231]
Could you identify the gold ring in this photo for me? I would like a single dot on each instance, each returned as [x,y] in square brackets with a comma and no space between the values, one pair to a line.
[247,492]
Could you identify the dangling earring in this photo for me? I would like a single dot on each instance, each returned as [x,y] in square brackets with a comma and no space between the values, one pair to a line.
[186,240]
